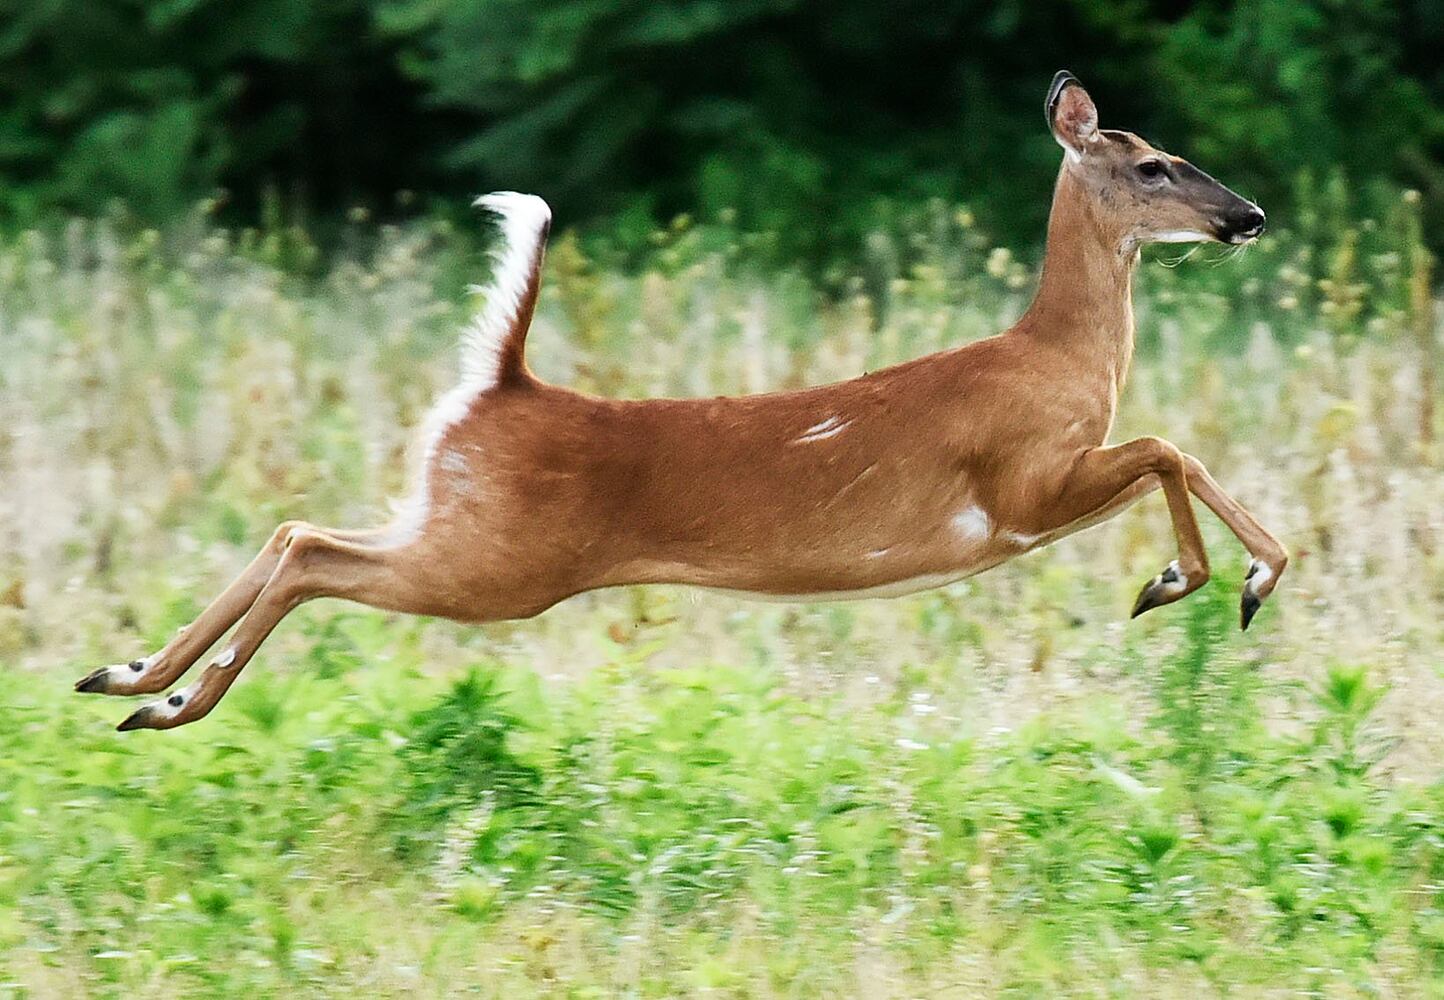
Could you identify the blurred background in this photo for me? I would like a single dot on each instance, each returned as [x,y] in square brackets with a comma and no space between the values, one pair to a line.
[796,116]
[235,249]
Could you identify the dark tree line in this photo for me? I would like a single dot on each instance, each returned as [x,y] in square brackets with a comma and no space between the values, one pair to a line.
[802,115]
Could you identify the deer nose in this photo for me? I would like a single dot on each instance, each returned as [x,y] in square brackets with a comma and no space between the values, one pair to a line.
[1250,222]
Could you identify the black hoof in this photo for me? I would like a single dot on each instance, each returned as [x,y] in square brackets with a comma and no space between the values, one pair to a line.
[1147,601]
[139,719]
[1247,608]
[1258,575]
[1162,589]
[95,682]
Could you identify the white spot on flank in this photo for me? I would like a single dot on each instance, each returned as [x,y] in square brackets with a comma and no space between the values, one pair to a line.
[823,430]
[879,553]
[226,658]
[971,523]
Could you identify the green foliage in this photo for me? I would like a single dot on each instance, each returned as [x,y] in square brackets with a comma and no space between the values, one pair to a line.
[680,796]
[157,102]
[808,119]
[1206,698]
[995,788]
[458,758]
[814,122]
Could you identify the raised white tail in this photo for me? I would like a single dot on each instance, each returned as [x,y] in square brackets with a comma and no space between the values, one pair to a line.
[493,347]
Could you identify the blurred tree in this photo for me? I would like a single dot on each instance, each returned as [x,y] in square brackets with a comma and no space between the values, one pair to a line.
[1272,87]
[805,117]
[159,101]
[795,113]
[803,114]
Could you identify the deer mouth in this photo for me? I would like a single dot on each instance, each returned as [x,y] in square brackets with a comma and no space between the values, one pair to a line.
[1238,237]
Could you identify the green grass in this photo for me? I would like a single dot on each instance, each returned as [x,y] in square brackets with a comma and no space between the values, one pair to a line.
[997,789]
[658,830]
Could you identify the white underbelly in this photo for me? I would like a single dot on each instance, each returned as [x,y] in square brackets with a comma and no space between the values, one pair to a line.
[976,543]
[896,588]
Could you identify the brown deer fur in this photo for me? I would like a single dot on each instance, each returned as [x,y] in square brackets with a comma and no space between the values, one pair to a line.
[901,479]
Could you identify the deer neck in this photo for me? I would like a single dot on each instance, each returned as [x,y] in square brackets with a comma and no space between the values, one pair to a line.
[1085,295]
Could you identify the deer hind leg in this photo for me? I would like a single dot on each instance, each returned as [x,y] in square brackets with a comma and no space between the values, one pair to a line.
[161,669]
[1268,556]
[1103,476]
[313,564]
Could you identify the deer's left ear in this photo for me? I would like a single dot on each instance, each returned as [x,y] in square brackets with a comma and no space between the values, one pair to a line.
[1072,116]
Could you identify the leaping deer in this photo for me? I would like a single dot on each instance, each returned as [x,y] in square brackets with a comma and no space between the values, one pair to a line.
[901,480]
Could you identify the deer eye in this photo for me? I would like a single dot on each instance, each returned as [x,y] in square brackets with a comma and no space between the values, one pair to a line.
[1151,170]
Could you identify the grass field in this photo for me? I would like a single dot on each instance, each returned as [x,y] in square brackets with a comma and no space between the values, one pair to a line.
[1002,788]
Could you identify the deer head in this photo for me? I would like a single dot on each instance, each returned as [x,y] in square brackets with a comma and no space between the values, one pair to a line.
[1139,193]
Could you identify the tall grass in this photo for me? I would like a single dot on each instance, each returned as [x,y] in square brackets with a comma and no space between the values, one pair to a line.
[997,788]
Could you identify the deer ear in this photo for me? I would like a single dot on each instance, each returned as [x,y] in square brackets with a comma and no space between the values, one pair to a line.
[1071,114]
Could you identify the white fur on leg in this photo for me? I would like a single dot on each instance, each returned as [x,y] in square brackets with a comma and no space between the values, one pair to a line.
[1258,575]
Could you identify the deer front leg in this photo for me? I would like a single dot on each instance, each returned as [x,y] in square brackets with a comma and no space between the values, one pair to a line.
[1102,475]
[1268,555]
[161,669]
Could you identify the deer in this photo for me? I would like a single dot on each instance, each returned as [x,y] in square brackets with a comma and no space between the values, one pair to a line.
[902,479]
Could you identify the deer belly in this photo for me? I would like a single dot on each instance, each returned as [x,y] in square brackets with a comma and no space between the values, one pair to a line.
[895,588]
[885,571]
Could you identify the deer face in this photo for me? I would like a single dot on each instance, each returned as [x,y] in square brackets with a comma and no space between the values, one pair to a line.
[1143,193]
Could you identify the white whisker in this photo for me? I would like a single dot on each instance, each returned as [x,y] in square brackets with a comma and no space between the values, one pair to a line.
[1181,257]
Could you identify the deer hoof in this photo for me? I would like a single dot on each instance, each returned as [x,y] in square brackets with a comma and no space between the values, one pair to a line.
[95,682]
[1247,608]
[141,718]
[156,715]
[163,714]
[119,678]
[1165,588]
[1256,586]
